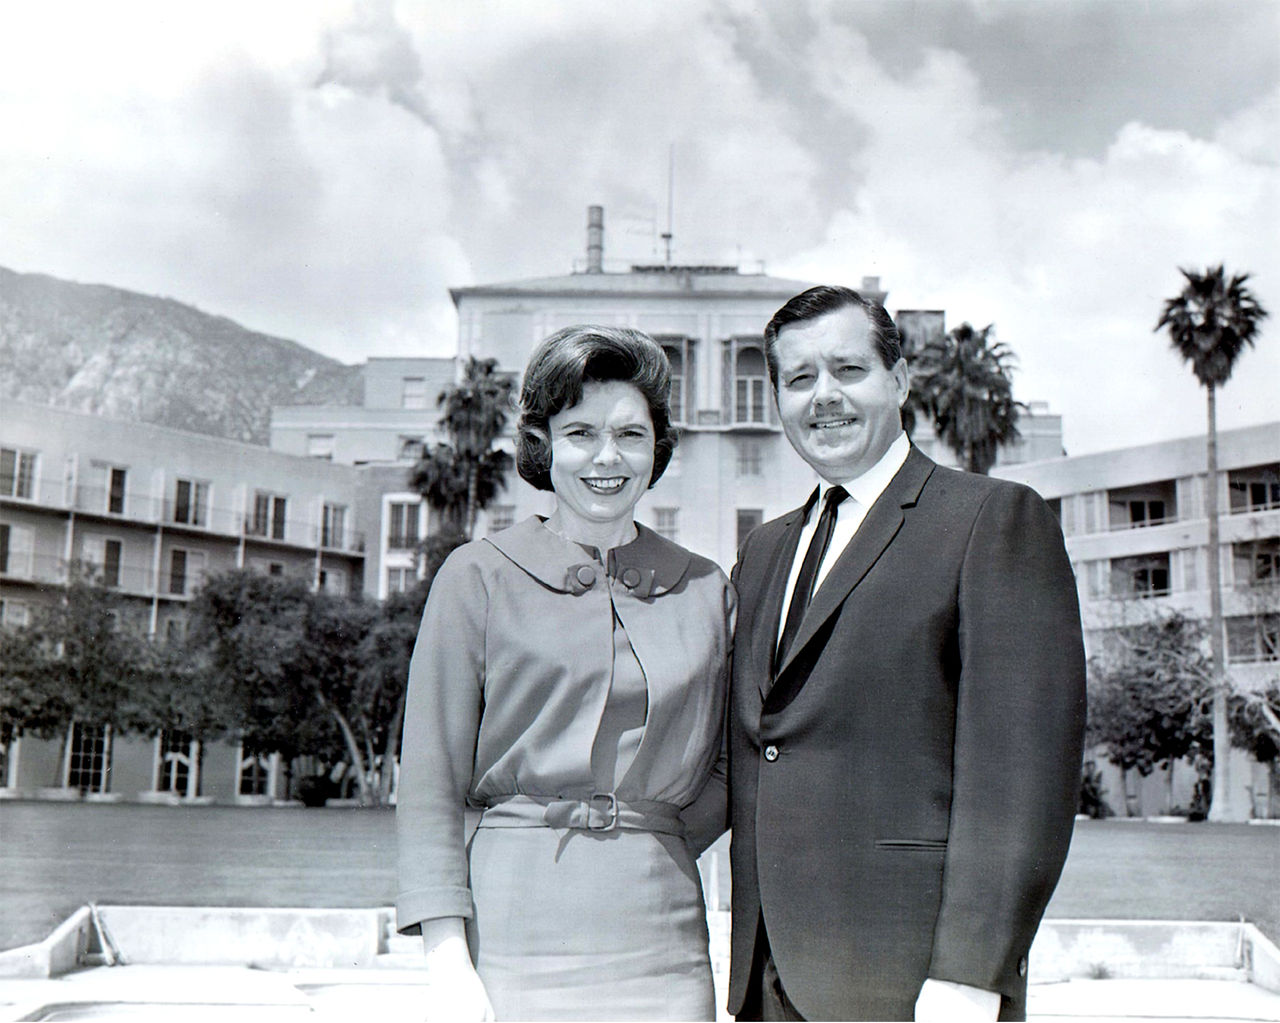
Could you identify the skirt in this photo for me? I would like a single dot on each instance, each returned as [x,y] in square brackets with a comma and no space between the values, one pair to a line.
[581,925]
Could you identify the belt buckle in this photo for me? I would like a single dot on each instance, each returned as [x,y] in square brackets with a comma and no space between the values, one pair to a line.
[611,809]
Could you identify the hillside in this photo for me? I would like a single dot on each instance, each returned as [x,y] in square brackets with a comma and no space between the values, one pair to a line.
[98,349]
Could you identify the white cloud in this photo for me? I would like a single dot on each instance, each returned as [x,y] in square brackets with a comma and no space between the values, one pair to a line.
[326,171]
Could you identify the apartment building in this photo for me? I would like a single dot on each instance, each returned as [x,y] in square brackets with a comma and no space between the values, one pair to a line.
[152,511]
[1136,529]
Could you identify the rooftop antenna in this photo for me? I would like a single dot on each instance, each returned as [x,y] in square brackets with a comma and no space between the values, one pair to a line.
[671,176]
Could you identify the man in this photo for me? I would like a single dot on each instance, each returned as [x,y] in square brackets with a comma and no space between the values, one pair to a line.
[905,745]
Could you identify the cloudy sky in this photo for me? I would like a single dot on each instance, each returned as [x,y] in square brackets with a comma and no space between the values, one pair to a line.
[325,171]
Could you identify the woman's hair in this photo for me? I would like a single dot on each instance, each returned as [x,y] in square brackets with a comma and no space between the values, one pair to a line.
[576,355]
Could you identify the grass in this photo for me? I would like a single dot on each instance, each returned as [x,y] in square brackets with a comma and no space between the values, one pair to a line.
[55,857]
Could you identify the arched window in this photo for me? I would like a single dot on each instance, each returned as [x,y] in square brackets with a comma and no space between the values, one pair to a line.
[750,384]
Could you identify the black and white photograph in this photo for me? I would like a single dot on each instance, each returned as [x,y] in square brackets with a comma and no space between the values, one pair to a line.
[703,510]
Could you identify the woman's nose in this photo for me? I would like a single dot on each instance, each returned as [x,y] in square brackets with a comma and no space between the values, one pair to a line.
[608,450]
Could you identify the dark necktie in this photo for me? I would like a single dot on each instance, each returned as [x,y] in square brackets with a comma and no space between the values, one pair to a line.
[809,569]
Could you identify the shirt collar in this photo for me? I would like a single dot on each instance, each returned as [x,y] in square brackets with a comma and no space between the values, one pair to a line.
[648,566]
[871,484]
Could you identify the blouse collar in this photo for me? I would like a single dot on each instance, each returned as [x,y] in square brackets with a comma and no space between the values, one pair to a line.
[647,566]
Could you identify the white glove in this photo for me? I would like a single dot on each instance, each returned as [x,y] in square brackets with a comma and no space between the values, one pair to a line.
[944,1001]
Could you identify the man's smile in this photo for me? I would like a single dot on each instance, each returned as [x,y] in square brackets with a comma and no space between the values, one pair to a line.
[833,424]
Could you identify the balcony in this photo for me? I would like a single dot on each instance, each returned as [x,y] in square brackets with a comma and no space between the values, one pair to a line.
[1141,577]
[1253,489]
[1152,504]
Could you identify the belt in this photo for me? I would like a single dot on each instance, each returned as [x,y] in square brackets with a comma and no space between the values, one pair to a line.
[602,811]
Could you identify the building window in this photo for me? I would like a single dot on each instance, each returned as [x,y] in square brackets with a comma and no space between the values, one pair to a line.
[255,772]
[173,773]
[1253,638]
[401,580]
[17,473]
[403,534]
[332,580]
[186,571]
[17,550]
[115,490]
[275,568]
[679,352]
[501,516]
[1254,489]
[413,392]
[750,385]
[411,448]
[333,530]
[1151,504]
[667,523]
[191,502]
[14,614]
[175,630]
[320,445]
[111,553]
[750,457]
[1256,562]
[269,511]
[1140,577]
[748,519]
[90,761]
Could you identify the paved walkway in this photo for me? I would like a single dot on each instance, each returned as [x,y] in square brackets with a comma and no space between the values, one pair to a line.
[206,993]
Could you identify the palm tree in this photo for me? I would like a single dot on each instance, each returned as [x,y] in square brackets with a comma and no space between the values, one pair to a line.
[1210,322]
[964,384]
[460,478]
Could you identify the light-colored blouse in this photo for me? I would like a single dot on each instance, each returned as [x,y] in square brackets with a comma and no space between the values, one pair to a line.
[521,640]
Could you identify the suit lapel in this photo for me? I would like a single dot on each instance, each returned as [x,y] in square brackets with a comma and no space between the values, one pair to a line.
[764,633]
[877,531]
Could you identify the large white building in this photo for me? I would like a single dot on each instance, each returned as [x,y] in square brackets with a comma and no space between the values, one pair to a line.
[154,510]
[1136,528]
[733,468]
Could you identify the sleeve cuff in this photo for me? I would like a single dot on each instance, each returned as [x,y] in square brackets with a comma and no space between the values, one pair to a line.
[429,904]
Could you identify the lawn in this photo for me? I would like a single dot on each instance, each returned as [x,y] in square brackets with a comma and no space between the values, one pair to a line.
[55,857]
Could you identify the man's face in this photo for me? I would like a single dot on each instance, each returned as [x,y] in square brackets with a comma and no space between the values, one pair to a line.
[838,404]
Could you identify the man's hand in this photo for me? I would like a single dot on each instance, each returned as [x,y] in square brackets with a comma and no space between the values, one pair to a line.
[454,989]
[943,1001]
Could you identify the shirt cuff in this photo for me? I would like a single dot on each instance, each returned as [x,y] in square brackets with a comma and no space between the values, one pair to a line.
[413,907]
[945,1000]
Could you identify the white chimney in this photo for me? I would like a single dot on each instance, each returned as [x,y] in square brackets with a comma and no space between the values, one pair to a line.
[595,239]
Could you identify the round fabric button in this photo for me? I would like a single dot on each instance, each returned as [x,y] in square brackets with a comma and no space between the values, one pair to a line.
[631,578]
[586,575]
[771,753]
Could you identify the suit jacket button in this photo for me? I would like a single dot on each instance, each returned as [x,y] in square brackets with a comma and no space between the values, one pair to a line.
[631,578]
[1022,967]
[771,753]
[586,575]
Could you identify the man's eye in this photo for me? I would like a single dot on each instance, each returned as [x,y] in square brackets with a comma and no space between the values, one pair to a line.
[799,380]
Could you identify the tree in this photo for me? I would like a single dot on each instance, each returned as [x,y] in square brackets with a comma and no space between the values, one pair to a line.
[1210,322]
[1254,719]
[86,661]
[963,382]
[247,632]
[462,477]
[1149,695]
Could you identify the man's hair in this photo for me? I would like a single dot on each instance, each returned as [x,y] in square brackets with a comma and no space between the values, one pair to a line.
[577,355]
[827,298]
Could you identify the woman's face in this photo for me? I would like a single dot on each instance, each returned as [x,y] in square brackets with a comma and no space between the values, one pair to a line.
[602,452]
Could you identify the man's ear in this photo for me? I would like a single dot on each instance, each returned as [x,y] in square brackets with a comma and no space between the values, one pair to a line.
[902,377]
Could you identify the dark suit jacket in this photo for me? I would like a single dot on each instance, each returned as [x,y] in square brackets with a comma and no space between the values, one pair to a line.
[903,786]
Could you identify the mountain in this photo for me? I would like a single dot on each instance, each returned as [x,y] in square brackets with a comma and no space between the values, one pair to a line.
[94,348]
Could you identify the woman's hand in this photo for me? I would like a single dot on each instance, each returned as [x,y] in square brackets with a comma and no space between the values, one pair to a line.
[454,989]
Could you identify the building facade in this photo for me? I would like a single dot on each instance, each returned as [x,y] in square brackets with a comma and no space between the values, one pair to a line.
[1136,529]
[151,511]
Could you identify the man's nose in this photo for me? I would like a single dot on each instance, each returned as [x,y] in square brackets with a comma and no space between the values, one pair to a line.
[826,389]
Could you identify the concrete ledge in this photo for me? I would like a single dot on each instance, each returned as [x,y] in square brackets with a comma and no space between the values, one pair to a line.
[59,953]
[1145,949]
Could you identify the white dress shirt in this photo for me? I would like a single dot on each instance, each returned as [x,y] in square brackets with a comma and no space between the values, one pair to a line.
[939,1000]
[863,491]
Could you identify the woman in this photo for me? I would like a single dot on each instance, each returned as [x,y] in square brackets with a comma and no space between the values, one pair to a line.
[569,680]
